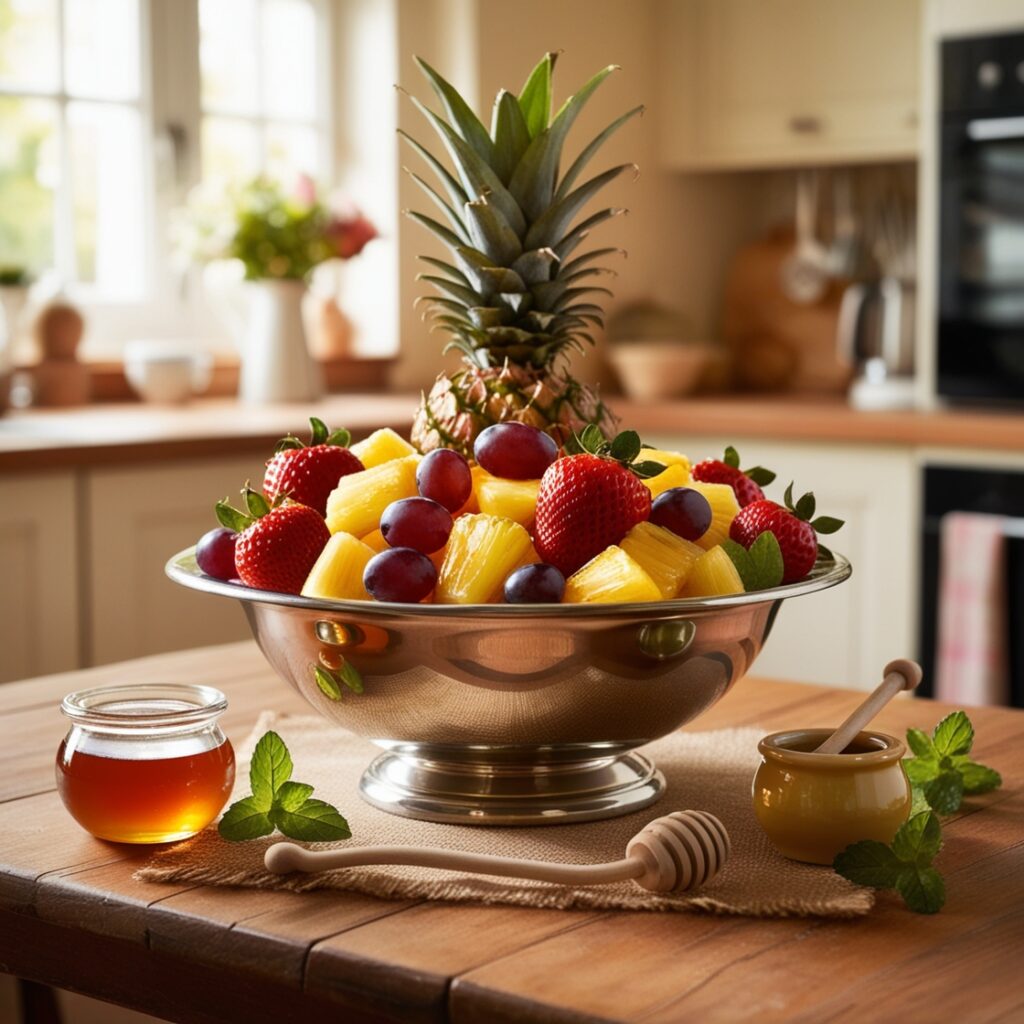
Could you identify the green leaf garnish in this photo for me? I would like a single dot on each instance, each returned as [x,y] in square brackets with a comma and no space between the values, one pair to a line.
[954,735]
[626,446]
[905,866]
[278,802]
[760,566]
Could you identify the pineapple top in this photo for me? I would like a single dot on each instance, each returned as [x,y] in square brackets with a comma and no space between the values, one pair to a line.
[512,293]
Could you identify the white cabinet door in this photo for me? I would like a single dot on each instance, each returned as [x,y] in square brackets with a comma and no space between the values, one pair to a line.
[797,81]
[842,636]
[138,517]
[39,582]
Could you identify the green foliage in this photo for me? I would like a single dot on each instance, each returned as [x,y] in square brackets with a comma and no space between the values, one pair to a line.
[760,566]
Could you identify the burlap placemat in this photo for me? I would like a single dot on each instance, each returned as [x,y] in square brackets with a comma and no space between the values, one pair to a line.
[704,770]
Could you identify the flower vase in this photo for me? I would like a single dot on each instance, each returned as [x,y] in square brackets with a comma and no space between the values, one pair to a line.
[276,364]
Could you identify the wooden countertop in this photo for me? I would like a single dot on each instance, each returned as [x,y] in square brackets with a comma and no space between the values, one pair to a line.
[130,432]
[72,915]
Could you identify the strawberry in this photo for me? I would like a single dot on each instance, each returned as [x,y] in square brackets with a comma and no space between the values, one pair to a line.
[746,483]
[277,544]
[591,498]
[793,527]
[308,473]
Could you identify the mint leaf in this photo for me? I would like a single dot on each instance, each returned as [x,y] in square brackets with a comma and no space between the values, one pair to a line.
[313,822]
[869,862]
[945,791]
[270,767]
[292,795]
[979,779]
[920,743]
[954,735]
[245,819]
[918,839]
[645,470]
[918,801]
[740,557]
[766,556]
[922,889]
[626,446]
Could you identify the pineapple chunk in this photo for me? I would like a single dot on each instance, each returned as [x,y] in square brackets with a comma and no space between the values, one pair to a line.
[481,552]
[664,556]
[609,578]
[338,573]
[724,507]
[380,447]
[511,499]
[357,503]
[665,458]
[674,476]
[472,505]
[712,576]
[375,541]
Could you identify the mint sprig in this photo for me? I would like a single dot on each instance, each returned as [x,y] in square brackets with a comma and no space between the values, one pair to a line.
[941,770]
[760,566]
[905,866]
[276,802]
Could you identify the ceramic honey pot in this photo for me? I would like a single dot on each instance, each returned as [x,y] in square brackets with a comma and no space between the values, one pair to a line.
[817,791]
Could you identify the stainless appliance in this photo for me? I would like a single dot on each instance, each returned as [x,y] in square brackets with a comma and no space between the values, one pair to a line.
[981,220]
[876,334]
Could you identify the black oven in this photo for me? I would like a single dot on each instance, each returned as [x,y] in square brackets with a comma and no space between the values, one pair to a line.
[981,221]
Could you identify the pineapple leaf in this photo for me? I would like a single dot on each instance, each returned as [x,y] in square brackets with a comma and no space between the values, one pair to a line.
[455,274]
[533,183]
[485,274]
[570,295]
[459,113]
[551,226]
[490,232]
[535,265]
[455,191]
[547,294]
[435,227]
[588,272]
[574,266]
[511,135]
[488,316]
[578,233]
[584,158]
[458,291]
[475,173]
[453,218]
[535,97]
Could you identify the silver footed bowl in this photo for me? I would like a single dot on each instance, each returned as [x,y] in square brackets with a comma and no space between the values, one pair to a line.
[510,714]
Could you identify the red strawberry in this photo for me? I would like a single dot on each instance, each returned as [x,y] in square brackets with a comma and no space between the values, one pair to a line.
[277,545]
[793,527]
[308,474]
[746,483]
[591,499]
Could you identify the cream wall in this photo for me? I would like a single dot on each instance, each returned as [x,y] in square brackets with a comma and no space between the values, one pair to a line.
[680,230]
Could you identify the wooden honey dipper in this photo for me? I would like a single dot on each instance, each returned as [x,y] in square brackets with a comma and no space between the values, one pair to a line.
[678,852]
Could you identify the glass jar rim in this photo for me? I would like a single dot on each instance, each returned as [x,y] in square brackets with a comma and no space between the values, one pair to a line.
[144,706]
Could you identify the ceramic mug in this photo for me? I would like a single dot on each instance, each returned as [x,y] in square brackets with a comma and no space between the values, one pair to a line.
[166,372]
[812,806]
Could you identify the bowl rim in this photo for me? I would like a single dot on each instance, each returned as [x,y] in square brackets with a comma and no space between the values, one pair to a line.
[182,569]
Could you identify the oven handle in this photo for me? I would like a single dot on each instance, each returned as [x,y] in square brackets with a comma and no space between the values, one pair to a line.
[989,129]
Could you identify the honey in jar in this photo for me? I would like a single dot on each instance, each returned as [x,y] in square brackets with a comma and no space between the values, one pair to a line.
[145,764]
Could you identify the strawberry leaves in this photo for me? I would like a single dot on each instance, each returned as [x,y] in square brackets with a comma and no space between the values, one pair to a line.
[623,448]
[276,802]
[760,566]
[256,507]
[320,433]
[761,476]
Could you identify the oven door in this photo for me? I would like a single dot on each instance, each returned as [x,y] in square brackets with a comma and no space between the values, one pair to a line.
[981,270]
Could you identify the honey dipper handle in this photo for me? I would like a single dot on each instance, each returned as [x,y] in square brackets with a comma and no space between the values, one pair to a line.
[282,858]
[900,675]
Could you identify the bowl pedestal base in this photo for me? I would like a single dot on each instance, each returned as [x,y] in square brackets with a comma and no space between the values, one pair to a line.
[504,793]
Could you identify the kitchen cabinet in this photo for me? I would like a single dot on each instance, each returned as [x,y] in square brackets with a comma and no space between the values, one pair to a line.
[763,83]
[39,596]
[847,634]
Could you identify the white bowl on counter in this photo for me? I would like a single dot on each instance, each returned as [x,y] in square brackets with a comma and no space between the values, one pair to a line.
[654,370]
[166,372]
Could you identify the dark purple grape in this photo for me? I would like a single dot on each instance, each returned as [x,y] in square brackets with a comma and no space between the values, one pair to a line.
[417,523]
[444,477]
[400,574]
[682,510]
[515,451]
[539,583]
[215,553]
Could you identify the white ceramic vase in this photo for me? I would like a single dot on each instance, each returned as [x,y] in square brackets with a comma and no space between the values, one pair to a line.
[276,364]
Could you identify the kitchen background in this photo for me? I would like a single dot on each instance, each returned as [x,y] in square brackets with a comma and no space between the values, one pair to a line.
[826,269]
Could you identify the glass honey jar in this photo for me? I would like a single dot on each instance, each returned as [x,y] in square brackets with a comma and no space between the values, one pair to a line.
[146,763]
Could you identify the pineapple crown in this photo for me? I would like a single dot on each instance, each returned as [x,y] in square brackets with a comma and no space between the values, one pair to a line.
[512,293]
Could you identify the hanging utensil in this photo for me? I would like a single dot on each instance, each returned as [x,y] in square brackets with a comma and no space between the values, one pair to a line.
[804,278]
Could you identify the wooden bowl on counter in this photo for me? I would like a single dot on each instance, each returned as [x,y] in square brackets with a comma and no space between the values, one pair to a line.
[655,370]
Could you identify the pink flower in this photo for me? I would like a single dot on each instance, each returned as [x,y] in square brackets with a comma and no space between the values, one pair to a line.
[304,190]
[348,235]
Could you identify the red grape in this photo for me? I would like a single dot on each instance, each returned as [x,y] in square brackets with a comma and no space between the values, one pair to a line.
[444,477]
[215,553]
[417,523]
[682,510]
[539,583]
[515,451]
[400,574]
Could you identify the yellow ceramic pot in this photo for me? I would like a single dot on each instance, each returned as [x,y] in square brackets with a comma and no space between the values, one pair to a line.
[811,806]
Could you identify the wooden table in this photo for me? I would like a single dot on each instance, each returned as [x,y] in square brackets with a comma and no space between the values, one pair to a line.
[71,915]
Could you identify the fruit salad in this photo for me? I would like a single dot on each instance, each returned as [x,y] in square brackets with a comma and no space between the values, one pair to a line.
[524,521]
